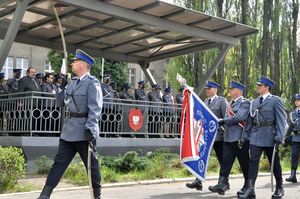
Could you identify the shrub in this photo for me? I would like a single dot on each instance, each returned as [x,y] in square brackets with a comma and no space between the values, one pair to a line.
[43,165]
[76,173]
[108,174]
[12,167]
[131,161]
[264,164]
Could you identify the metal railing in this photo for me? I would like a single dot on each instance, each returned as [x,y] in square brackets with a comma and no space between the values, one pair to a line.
[36,114]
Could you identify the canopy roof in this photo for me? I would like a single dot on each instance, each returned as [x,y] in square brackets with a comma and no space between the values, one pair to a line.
[136,31]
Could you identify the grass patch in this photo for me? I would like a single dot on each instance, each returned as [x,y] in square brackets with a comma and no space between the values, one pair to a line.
[156,165]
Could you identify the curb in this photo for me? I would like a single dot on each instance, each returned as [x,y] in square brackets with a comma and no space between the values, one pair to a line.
[144,182]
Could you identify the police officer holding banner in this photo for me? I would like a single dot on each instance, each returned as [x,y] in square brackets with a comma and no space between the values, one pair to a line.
[234,122]
[83,102]
[266,128]
[293,133]
[218,105]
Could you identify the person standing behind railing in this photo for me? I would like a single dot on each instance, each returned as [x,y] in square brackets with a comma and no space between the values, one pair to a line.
[127,96]
[105,124]
[3,86]
[124,94]
[57,81]
[48,123]
[12,83]
[3,90]
[155,111]
[30,83]
[40,78]
[168,111]
[114,108]
[179,101]
[48,86]
[141,96]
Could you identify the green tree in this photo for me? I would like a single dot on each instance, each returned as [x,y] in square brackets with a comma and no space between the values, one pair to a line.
[117,70]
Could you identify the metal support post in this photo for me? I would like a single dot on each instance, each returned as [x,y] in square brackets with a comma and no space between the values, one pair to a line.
[12,30]
[217,62]
[147,72]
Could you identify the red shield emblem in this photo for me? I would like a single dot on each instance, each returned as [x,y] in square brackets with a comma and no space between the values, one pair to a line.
[135,119]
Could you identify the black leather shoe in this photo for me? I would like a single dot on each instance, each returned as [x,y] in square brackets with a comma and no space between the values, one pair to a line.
[46,192]
[278,193]
[43,197]
[221,187]
[97,193]
[249,191]
[293,177]
[243,189]
[197,184]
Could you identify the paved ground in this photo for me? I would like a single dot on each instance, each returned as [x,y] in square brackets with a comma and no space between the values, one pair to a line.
[175,190]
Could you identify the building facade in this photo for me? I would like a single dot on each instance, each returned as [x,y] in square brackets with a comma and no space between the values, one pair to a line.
[23,56]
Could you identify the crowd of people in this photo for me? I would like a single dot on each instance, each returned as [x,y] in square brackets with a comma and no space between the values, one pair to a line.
[33,81]
[160,110]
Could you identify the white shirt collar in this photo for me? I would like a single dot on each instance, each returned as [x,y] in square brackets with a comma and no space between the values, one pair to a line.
[237,98]
[84,75]
[266,95]
[213,97]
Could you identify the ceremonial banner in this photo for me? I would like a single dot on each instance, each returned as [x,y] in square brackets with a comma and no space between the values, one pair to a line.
[198,128]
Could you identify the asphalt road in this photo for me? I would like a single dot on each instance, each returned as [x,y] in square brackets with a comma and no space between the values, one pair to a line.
[175,190]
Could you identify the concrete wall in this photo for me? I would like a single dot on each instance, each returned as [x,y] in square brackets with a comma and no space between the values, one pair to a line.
[37,56]
[158,69]
[35,147]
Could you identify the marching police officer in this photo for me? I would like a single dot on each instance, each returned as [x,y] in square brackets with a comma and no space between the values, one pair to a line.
[266,128]
[294,128]
[12,83]
[155,111]
[3,86]
[234,122]
[83,101]
[218,105]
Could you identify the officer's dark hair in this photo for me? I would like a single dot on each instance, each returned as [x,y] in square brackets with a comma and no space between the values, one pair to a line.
[268,87]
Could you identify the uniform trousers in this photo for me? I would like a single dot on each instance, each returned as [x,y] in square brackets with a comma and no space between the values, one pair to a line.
[231,151]
[295,154]
[64,156]
[218,147]
[255,154]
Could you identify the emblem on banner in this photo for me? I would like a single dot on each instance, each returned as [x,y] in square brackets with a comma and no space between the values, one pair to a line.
[135,119]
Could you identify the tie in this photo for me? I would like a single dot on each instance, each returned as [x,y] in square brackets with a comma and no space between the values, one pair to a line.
[35,83]
[261,99]
[78,80]
[231,103]
[299,112]
[209,100]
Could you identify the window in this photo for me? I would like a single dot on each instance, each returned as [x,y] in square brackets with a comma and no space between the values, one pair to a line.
[48,67]
[22,63]
[131,76]
[8,67]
